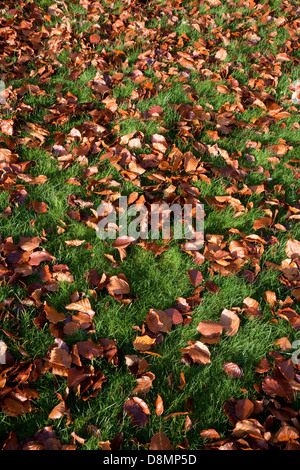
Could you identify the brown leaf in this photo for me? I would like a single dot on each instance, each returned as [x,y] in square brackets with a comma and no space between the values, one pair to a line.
[210,434]
[263,366]
[286,433]
[58,411]
[83,305]
[195,277]
[118,285]
[104,445]
[251,307]
[160,442]
[89,350]
[159,406]
[244,408]
[60,357]
[6,127]
[136,366]
[270,298]
[247,426]
[232,370]
[209,328]
[12,407]
[274,386]
[283,343]
[143,343]
[52,314]
[11,442]
[221,54]
[77,438]
[182,381]
[158,320]
[263,222]
[95,38]
[198,352]
[230,322]
[74,242]
[64,277]
[137,410]
[292,248]
[29,243]
[190,162]
[144,383]
[40,207]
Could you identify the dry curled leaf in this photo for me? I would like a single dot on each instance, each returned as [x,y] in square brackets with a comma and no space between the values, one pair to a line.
[159,406]
[58,411]
[210,434]
[232,370]
[197,352]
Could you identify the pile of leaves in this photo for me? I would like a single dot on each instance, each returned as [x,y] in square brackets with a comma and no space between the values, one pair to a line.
[174,102]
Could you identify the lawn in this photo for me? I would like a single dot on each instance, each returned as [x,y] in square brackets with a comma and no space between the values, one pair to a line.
[123,345]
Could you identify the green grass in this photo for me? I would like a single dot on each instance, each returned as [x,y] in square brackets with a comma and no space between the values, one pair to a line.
[155,281]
